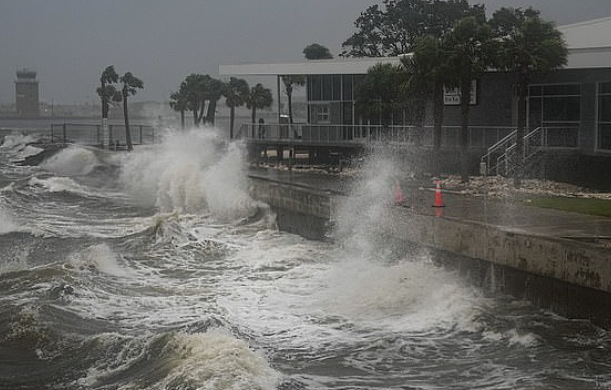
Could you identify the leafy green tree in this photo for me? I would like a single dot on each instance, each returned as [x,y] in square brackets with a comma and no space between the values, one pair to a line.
[292,82]
[317,52]
[236,94]
[131,84]
[528,45]
[470,53]
[392,28]
[179,103]
[108,93]
[380,92]
[258,98]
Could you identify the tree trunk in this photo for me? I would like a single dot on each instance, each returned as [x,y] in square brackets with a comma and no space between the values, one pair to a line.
[437,114]
[182,119]
[200,117]
[465,96]
[520,130]
[105,138]
[253,120]
[289,99]
[195,121]
[211,114]
[231,121]
[128,135]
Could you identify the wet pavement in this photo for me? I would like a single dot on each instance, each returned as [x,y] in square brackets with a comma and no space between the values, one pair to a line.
[509,215]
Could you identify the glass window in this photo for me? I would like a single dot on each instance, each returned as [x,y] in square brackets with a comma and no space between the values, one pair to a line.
[562,89]
[327,87]
[347,87]
[554,104]
[604,108]
[319,113]
[561,109]
[347,113]
[604,88]
[604,136]
[337,87]
[604,116]
[536,90]
[316,88]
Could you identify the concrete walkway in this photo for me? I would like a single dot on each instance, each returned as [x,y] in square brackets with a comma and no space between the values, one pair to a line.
[506,215]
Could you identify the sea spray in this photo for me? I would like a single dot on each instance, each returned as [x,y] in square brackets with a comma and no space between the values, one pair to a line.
[190,171]
[364,213]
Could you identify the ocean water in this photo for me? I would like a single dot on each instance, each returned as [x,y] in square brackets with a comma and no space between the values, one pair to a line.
[156,270]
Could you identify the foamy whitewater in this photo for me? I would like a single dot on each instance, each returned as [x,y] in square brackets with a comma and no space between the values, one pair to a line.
[156,270]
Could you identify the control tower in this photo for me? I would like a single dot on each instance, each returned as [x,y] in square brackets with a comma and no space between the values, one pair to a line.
[26,94]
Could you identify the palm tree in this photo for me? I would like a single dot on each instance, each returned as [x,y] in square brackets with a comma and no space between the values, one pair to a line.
[131,84]
[236,93]
[211,91]
[190,88]
[108,93]
[380,92]
[292,82]
[428,72]
[528,45]
[179,103]
[259,97]
[470,46]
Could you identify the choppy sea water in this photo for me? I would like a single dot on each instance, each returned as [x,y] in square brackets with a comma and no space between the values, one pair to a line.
[156,270]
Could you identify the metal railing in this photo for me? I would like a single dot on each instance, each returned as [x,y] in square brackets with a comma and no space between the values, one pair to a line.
[88,134]
[352,135]
[541,138]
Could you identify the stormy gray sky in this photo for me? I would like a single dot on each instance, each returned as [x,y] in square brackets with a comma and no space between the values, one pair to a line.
[69,42]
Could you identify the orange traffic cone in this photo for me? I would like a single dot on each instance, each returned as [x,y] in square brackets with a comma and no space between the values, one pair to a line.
[399,196]
[438,200]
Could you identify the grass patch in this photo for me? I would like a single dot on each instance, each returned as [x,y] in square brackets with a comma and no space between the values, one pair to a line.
[599,207]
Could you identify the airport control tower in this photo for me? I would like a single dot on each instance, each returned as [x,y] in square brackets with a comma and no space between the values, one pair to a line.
[26,94]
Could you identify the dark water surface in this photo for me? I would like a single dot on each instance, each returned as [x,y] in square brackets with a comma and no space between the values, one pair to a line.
[156,270]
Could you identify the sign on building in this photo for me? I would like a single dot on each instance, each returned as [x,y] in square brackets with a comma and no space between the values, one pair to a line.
[451,96]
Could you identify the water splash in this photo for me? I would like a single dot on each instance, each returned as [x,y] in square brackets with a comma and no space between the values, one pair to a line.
[191,171]
[72,161]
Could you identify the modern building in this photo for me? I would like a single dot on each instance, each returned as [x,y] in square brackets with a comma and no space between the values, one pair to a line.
[569,111]
[26,94]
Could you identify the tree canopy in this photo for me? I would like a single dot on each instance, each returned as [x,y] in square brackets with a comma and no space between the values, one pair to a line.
[317,52]
[392,28]
[380,92]
[528,45]
[202,93]
[258,98]
[236,94]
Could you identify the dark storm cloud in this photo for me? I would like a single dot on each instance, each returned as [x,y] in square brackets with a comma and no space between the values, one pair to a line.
[69,42]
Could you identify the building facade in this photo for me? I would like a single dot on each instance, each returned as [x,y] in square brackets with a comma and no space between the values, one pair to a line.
[569,110]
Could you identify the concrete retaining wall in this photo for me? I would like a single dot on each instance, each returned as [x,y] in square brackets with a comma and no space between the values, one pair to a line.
[572,278]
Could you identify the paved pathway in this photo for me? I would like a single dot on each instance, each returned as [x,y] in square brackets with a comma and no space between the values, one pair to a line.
[515,216]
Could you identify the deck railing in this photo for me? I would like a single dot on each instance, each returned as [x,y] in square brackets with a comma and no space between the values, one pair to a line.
[88,134]
[298,133]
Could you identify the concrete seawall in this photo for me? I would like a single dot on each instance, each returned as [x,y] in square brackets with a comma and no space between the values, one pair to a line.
[572,278]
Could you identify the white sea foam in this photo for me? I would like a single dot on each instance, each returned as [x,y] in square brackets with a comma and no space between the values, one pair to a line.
[214,360]
[191,171]
[60,184]
[217,360]
[19,140]
[9,224]
[71,161]
[100,257]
